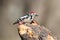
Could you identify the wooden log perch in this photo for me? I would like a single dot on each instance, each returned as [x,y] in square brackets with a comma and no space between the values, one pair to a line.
[34,32]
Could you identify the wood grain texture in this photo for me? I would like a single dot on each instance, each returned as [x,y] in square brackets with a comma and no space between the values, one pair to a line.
[34,32]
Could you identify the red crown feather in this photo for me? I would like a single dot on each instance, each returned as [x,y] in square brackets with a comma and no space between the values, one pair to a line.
[31,12]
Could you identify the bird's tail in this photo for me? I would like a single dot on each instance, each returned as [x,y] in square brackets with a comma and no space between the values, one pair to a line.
[15,22]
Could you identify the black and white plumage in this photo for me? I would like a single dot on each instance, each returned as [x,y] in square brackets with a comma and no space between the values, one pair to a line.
[28,18]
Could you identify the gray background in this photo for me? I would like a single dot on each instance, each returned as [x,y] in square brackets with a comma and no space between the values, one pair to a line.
[10,10]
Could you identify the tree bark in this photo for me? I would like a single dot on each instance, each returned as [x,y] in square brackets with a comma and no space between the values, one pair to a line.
[34,32]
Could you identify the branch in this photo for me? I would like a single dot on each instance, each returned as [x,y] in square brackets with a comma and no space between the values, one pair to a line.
[34,32]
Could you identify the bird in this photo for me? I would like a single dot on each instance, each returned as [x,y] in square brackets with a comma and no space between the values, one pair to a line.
[28,18]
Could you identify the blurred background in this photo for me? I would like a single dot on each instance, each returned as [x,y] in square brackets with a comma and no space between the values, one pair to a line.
[10,10]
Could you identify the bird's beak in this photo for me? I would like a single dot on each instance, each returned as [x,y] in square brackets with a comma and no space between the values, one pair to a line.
[36,15]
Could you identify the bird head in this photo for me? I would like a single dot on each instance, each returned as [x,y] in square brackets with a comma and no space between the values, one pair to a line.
[33,13]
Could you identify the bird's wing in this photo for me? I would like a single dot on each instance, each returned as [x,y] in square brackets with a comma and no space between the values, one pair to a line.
[24,17]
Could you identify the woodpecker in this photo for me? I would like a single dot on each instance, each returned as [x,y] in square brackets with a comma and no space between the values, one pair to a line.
[28,18]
